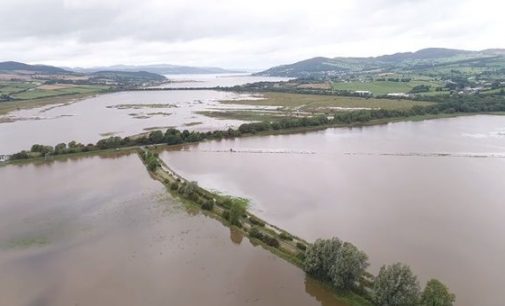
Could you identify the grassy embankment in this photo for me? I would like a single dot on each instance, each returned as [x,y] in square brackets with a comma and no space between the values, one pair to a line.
[270,237]
[27,95]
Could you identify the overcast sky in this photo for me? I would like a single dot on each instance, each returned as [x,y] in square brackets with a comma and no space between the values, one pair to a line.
[238,33]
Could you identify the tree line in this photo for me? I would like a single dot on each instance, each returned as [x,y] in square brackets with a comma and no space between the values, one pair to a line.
[338,263]
[344,266]
[442,105]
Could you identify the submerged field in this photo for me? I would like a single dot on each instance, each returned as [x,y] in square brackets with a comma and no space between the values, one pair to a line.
[399,191]
[113,236]
[318,103]
[279,105]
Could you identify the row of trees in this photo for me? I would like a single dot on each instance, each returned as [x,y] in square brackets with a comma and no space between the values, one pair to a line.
[443,105]
[340,263]
[344,265]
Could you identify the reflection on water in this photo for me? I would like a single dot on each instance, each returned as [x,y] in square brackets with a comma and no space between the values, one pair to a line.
[442,214]
[100,231]
[215,80]
[124,114]
[116,114]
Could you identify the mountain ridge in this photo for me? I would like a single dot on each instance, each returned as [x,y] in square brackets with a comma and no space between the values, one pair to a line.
[398,61]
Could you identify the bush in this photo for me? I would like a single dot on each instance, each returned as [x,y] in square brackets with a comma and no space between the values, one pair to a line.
[152,164]
[226,203]
[226,214]
[237,210]
[208,205]
[256,221]
[255,233]
[271,241]
[20,155]
[285,236]
[301,246]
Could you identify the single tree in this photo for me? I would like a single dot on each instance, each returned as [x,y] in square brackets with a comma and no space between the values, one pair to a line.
[396,285]
[350,264]
[437,294]
[320,257]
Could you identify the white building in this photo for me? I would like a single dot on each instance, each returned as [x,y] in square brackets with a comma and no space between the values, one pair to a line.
[363,93]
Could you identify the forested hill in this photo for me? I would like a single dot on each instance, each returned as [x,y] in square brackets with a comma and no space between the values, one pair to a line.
[16,66]
[418,61]
[159,69]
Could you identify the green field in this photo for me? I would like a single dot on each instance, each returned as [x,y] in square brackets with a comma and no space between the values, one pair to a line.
[37,93]
[10,88]
[31,94]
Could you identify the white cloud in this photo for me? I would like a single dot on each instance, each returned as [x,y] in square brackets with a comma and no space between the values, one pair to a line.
[234,33]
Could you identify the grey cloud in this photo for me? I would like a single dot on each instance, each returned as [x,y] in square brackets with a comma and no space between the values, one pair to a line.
[237,33]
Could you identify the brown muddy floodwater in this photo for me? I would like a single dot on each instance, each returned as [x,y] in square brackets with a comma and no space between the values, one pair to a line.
[430,194]
[100,231]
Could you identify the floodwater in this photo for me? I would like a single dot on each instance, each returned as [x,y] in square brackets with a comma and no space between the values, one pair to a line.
[122,114]
[428,193]
[215,80]
[100,231]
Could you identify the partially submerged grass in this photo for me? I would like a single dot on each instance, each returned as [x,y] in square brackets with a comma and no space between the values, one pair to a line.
[141,106]
[248,115]
[319,103]
[193,123]
[26,242]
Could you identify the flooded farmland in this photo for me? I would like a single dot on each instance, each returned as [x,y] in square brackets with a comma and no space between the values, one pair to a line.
[428,193]
[123,114]
[99,231]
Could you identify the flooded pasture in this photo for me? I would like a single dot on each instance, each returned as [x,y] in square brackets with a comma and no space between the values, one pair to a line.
[427,193]
[123,114]
[99,231]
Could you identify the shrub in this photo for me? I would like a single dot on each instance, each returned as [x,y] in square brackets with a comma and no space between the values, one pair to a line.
[254,232]
[237,210]
[208,205]
[226,214]
[285,236]
[256,221]
[301,246]
[271,241]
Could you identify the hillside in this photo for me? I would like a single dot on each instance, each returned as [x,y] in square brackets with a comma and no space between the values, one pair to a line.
[159,69]
[405,62]
[16,66]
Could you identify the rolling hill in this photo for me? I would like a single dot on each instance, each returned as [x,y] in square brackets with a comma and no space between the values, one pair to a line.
[11,66]
[418,61]
[159,69]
